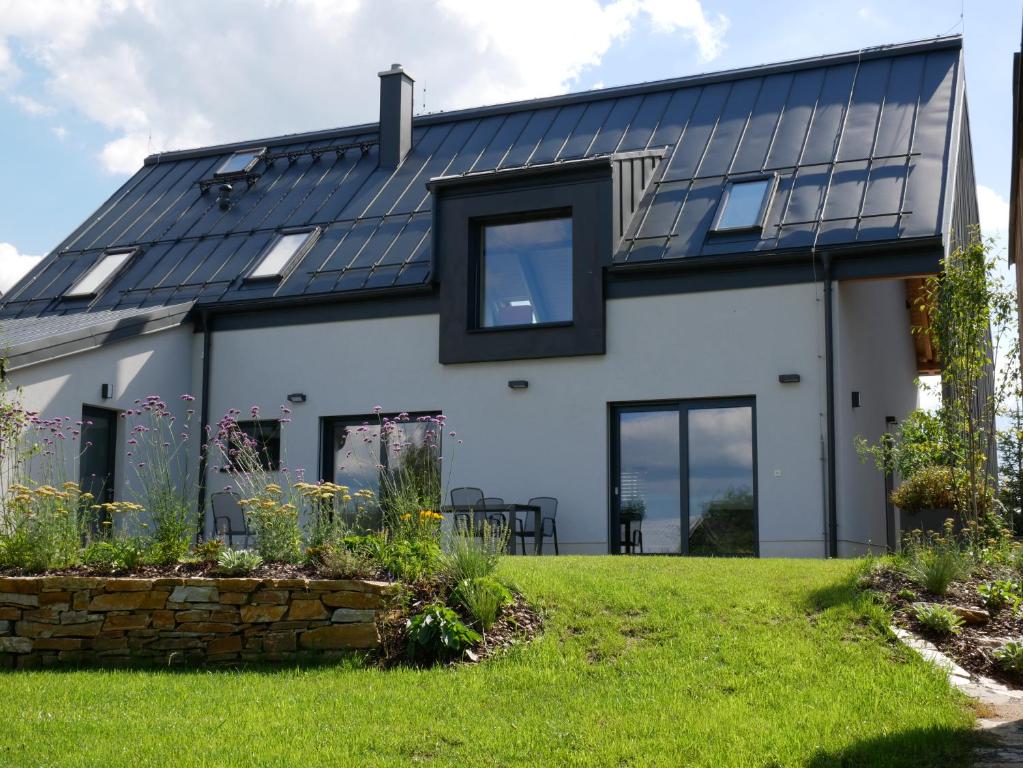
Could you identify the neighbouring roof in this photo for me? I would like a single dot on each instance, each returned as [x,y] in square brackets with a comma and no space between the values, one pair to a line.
[25,341]
[862,144]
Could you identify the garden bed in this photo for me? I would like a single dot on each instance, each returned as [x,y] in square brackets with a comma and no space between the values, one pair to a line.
[973,646]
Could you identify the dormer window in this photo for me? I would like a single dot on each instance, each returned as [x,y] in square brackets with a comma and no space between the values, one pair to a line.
[100,274]
[283,253]
[744,204]
[526,272]
[242,161]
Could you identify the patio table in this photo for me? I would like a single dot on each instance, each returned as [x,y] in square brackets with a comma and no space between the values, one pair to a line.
[511,510]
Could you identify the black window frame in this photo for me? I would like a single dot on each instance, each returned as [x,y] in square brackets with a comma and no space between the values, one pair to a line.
[269,450]
[683,406]
[312,236]
[477,272]
[132,251]
[765,204]
[258,153]
[328,429]
[463,204]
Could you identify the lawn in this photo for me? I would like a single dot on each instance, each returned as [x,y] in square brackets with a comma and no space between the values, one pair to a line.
[645,661]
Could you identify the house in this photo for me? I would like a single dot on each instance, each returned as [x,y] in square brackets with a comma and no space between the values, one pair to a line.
[673,305]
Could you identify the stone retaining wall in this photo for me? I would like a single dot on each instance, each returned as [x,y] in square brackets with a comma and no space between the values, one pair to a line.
[84,620]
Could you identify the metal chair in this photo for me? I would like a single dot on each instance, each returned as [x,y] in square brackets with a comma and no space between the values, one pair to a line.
[636,545]
[472,498]
[229,517]
[548,522]
[495,518]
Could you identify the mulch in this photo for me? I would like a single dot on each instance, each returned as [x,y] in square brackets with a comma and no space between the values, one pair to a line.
[972,647]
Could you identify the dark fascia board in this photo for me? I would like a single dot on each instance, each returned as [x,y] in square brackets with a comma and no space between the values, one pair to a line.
[504,176]
[862,261]
[91,337]
[882,51]
[1015,201]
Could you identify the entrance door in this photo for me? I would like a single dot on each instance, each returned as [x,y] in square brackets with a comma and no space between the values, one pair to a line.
[684,478]
[99,441]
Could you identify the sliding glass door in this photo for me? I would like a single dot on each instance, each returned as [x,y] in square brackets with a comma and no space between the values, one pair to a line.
[684,478]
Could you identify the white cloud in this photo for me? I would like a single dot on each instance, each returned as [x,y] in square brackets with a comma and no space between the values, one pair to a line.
[31,106]
[162,76]
[994,213]
[13,265]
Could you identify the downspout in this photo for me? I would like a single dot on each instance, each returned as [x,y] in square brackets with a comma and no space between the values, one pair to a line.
[829,375]
[207,344]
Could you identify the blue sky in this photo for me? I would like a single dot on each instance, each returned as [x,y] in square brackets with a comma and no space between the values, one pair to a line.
[88,89]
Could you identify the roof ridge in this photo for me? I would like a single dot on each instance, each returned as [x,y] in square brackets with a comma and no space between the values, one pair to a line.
[879,51]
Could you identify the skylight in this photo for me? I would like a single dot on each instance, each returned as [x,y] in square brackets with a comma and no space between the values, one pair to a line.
[744,204]
[241,161]
[99,274]
[283,253]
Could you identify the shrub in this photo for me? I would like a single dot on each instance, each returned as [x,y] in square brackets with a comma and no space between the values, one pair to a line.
[275,525]
[938,619]
[411,559]
[998,594]
[238,562]
[1010,657]
[928,488]
[437,633]
[483,598]
[935,562]
[334,512]
[336,561]
[208,551]
[43,526]
[473,552]
[906,594]
[114,555]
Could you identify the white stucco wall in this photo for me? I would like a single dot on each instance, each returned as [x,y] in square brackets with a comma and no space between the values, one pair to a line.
[874,356]
[552,439]
[157,363]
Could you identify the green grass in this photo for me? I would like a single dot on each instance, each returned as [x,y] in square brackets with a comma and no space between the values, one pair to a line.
[645,661]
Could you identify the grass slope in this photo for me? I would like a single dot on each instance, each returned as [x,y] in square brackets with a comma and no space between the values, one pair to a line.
[645,661]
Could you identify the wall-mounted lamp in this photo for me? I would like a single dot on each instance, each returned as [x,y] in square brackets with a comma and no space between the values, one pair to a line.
[296,397]
[855,399]
[105,391]
[788,378]
[518,384]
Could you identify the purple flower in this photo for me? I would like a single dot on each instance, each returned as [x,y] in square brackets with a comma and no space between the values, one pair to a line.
[377,409]
[187,398]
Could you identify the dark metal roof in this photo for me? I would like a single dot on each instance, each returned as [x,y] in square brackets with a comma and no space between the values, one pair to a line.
[860,143]
[27,341]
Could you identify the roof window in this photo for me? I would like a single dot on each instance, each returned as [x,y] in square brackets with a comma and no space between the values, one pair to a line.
[284,253]
[242,161]
[101,273]
[744,204]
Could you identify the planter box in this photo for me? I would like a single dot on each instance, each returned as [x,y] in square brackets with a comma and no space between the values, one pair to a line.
[47,620]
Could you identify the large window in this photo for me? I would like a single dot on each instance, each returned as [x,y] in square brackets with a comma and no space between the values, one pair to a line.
[359,451]
[526,273]
[684,478]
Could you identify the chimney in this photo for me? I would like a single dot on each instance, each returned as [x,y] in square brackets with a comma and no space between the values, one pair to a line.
[395,116]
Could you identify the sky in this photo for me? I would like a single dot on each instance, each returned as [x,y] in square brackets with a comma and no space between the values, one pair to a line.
[89,88]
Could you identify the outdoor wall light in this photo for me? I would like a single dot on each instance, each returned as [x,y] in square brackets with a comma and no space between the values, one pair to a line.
[789,378]
[105,391]
[296,397]
[855,399]
[518,384]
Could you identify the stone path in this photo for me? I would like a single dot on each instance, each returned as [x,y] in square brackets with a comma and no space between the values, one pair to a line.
[1002,707]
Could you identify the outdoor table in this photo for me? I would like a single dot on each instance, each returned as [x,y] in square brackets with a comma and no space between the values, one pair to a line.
[510,509]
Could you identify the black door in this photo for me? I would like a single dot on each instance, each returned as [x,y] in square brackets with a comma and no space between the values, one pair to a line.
[683,478]
[99,447]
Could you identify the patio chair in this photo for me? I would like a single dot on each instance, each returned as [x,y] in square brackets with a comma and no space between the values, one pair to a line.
[548,522]
[495,518]
[472,498]
[636,544]
[229,517]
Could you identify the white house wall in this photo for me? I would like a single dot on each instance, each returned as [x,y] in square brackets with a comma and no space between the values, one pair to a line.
[552,438]
[157,363]
[875,357]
